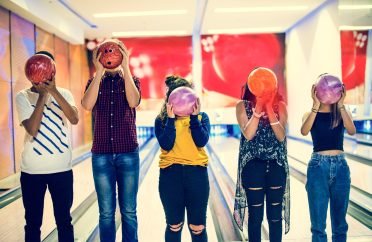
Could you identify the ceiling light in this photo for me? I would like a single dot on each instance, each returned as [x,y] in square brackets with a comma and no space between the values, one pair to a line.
[141,13]
[347,27]
[260,9]
[354,7]
[246,30]
[149,33]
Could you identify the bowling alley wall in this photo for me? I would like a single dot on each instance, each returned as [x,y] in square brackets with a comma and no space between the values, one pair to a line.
[315,46]
[19,39]
[226,62]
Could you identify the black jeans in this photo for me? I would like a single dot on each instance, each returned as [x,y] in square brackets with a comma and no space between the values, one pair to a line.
[262,178]
[180,187]
[33,193]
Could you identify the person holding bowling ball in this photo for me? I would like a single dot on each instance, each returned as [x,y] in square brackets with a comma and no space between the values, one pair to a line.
[113,95]
[45,111]
[263,166]
[328,175]
[183,181]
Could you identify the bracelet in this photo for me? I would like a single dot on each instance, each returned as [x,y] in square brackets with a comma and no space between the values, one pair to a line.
[256,114]
[314,110]
[245,126]
[342,107]
[276,123]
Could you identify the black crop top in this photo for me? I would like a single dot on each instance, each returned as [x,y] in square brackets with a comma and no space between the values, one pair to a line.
[324,137]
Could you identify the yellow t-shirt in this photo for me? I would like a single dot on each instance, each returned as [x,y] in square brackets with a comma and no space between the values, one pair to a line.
[184,151]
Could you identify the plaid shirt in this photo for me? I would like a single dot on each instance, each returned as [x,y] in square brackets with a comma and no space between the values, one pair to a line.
[114,120]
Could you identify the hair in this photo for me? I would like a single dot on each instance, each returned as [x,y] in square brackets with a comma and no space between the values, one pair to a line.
[336,115]
[247,95]
[44,52]
[172,82]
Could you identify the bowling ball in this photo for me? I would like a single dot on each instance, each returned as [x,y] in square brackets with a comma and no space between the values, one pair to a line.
[40,68]
[262,80]
[111,56]
[183,100]
[328,89]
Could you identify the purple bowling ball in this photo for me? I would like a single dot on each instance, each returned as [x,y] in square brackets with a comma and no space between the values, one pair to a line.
[183,100]
[328,89]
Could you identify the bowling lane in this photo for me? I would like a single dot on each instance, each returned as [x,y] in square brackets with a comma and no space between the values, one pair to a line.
[227,149]
[151,219]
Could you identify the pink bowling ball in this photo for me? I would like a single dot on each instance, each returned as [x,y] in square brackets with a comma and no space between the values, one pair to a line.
[183,100]
[328,89]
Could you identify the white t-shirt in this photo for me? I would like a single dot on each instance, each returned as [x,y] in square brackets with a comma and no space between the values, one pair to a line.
[50,151]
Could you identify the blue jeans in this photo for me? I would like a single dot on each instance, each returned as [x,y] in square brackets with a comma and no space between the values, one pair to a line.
[123,169]
[328,179]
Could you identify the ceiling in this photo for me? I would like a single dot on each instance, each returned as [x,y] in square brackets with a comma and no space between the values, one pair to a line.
[220,15]
[355,14]
[96,18]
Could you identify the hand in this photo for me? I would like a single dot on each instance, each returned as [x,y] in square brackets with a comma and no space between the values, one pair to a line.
[50,86]
[196,109]
[99,67]
[270,98]
[40,88]
[316,102]
[260,104]
[124,51]
[170,111]
[340,102]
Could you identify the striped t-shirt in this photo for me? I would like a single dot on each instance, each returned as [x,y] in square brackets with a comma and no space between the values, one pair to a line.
[50,151]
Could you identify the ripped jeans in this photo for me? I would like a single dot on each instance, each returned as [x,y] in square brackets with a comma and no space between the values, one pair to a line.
[260,178]
[184,187]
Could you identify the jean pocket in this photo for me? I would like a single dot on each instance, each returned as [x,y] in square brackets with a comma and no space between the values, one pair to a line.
[343,163]
[314,163]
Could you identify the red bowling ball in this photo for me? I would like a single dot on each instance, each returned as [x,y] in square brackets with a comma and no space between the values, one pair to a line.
[328,89]
[111,56]
[40,68]
[183,100]
[262,80]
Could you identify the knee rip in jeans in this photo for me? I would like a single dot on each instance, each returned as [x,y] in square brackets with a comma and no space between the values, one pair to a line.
[196,229]
[255,188]
[176,227]
[257,205]
[275,188]
[275,204]
[275,220]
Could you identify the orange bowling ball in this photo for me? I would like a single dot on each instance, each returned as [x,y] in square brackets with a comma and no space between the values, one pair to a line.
[262,80]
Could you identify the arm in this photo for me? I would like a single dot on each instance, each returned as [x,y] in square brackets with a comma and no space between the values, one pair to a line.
[90,96]
[131,91]
[309,118]
[247,126]
[346,115]
[166,135]
[32,122]
[200,129]
[278,126]
[70,111]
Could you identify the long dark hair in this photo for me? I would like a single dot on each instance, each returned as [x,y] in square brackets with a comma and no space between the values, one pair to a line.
[172,82]
[335,113]
[336,116]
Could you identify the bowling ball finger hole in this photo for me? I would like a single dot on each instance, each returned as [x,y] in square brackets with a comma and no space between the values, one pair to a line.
[110,50]
[109,63]
[106,51]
